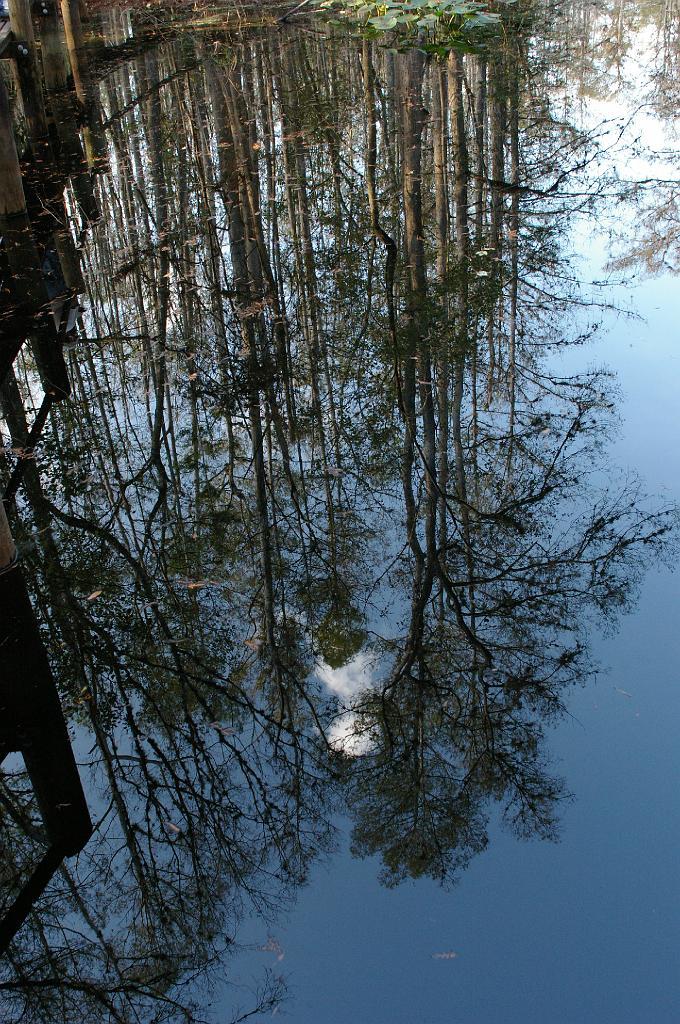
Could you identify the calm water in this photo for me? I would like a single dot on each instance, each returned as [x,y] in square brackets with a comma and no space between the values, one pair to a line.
[350,549]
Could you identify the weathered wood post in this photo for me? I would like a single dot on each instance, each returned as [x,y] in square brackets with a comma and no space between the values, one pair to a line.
[75,44]
[8,551]
[32,722]
[11,203]
[28,72]
[28,694]
[61,105]
[53,50]
[95,143]
[29,291]
[69,256]
[12,192]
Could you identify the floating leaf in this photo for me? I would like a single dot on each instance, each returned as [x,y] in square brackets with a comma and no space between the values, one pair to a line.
[224,729]
[94,595]
[272,945]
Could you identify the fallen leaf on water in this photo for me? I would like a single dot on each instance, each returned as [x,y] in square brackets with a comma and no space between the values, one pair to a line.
[447,955]
[224,729]
[94,595]
[624,692]
[171,827]
[272,946]
[198,584]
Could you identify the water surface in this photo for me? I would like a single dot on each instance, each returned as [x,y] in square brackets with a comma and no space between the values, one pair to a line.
[350,547]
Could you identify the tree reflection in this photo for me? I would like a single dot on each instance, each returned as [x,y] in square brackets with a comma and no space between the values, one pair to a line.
[315,424]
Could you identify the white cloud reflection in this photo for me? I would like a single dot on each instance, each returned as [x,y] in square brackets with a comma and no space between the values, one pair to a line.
[346,683]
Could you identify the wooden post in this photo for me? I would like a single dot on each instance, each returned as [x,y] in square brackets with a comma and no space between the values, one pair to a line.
[95,143]
[32,722]
[12,191]
[28,284]
[28,71]
[53,52]
[60,100]
[8,551]
[75,44]
[69,258]
[12,203]
[29,695]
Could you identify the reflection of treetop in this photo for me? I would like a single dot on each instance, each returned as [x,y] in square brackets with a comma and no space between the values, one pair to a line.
[315,421]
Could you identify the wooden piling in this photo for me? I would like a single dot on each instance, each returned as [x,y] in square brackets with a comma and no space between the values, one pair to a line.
[75,44]
[11,203]
[28,284]
[95,143]
[62,110]
[29,694]
[12,191]
[69,258]
[53,52]
[8,550]
[32,722]
[28,72]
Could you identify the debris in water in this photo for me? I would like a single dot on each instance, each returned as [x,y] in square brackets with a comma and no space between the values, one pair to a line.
[224,729]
